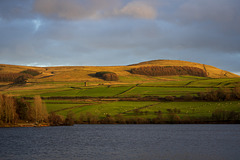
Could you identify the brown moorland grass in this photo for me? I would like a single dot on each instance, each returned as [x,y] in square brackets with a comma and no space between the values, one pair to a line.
[213,72]
[83,73]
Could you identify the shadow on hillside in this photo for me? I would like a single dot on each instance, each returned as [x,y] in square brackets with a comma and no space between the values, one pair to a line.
[46,76]
[94,76]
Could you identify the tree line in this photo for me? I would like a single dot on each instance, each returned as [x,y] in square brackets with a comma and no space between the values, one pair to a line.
[31,72]
[220,94]
[173,116]
[13,110]
[16,110]
[169,71]
[12,77]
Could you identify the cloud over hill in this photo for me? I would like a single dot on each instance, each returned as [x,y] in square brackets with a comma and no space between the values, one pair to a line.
[85,32]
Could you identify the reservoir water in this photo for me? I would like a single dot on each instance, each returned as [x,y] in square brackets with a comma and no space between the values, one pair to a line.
[121,142]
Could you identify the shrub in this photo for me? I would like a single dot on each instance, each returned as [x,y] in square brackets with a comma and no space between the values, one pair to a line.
[20,80]
[100,74]
[22,108]
[173,118]
[70,119]
[55,120]
[221,94]
[187,97]
[107,76]
[169,111]
[91,119]
[11,77]
[169,98]
[120,119]
[175,110]
[202,95]
[31,72]
[236,92]
[169,71]
[110,77]
[222,115]
[108,120]
[136,111]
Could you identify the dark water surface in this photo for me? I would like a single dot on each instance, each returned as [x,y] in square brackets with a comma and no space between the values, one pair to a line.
[120,142]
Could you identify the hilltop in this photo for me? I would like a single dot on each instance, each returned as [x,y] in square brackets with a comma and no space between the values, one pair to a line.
[211,71]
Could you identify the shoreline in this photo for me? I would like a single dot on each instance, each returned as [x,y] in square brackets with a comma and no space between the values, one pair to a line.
[174,123]
[17,125]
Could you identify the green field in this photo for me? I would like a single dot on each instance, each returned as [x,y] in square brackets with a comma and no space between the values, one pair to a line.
[103,91]
[123,91]
[110,108]
[160,86]
[137,98]
[162,91]
[148,109]
[129,87]
[194,109]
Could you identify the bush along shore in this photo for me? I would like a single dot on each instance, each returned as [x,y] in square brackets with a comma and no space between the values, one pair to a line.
[218,117]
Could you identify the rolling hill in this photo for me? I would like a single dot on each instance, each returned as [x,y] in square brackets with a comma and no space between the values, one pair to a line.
[212,72]
[86,73]
[137,98]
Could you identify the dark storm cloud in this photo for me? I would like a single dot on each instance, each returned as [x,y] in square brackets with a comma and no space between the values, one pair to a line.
[109,32]
[222,12]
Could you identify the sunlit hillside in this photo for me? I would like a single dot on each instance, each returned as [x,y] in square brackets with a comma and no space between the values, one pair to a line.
[212,72]
[86,73]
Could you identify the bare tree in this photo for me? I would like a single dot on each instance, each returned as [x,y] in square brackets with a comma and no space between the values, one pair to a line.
[236,91]
[1,107]
[7,109]
[40,110]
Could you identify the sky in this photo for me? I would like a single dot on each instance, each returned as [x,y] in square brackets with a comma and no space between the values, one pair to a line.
[119,32]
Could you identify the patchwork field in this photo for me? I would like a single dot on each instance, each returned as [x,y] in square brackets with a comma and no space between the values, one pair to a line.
[183,85]
[76,90]
[146,110]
